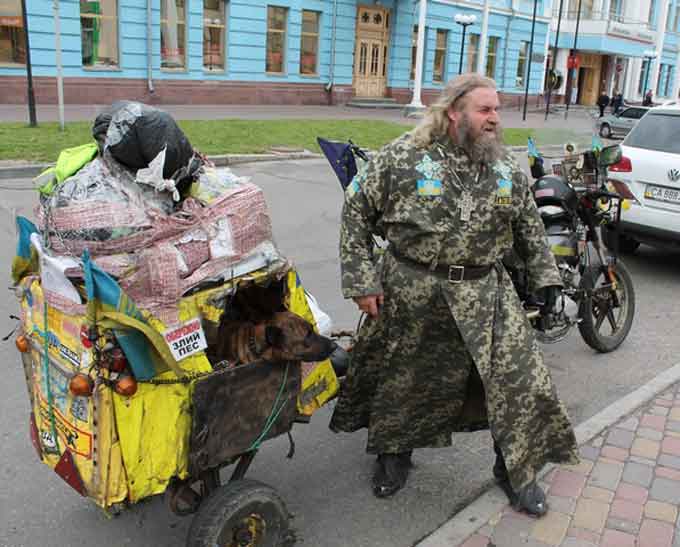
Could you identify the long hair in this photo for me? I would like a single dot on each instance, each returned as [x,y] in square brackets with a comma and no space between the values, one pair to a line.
[435,122]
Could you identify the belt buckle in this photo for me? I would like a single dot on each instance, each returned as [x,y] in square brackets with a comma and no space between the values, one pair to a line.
[456,277]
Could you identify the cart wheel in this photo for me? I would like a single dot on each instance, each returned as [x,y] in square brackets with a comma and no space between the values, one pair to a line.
[243,513]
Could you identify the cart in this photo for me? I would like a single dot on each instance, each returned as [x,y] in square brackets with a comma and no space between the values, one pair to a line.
[118,438]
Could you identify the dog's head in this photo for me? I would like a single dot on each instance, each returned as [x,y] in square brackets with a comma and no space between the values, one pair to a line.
[291,338]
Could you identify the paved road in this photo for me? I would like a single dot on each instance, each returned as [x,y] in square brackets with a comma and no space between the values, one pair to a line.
[326,485]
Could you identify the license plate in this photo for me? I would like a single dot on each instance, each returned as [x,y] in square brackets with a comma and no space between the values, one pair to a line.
[659,193]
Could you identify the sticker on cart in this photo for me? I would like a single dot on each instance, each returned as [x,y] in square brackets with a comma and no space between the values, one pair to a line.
[186,340]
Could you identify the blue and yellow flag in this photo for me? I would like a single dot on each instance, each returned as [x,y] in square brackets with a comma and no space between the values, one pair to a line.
[26,258]
[109,307]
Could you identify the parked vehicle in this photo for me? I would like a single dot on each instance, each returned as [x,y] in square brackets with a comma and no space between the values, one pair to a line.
[648,175]
[598,295]
[620,124]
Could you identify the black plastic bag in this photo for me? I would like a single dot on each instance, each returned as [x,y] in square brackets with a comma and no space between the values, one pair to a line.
[136,133]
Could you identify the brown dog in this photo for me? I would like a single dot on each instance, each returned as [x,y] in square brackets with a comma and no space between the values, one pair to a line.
[284,337]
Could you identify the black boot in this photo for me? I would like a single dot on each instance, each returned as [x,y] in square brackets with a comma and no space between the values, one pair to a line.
[530,498]
[391,473]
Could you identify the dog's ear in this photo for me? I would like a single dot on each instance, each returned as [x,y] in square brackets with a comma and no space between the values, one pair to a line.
[274,336]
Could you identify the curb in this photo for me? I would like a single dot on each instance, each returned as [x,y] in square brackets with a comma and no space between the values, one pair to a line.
[30,170]
[467,521]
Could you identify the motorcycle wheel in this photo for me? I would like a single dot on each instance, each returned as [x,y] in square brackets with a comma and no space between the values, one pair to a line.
[603,326]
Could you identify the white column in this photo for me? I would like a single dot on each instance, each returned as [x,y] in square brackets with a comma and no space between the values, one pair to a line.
[676,80]
[416,101]
[660,35]
[604,13]
[483,40]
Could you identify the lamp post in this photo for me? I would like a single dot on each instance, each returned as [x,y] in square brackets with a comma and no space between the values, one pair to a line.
[464,21]
[649,55]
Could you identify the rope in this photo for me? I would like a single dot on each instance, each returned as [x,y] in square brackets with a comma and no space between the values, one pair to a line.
[273,415]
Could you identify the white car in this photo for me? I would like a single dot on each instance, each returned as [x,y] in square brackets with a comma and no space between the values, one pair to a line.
[648,175]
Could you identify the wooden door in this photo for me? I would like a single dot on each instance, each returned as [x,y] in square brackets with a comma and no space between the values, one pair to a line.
[370,53]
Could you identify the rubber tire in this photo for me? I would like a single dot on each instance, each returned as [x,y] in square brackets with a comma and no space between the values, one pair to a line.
[605,134]
[234,501]
[627,245]
[603,343]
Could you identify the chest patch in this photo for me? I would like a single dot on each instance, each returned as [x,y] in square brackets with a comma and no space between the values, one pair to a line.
[429,187]
[504,192]
[429,168]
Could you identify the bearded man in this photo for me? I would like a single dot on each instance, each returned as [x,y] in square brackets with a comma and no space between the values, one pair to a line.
[446,345]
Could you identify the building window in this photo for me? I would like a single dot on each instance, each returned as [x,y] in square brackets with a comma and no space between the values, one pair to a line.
[643,76]
[99,33]
[659,78]
[439,69]
[522,64]
[676,21]
[472,49]
[586,9]
[309,42]
[650,15]
[615,9]
[214,42]
[12,37]
[414,51]
[277,20]
[669,19]
[669,81]
[173,34]
[491,57]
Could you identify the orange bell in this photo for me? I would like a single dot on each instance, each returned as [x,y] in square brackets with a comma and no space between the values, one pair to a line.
[126,385]
[22,343]
[81,385]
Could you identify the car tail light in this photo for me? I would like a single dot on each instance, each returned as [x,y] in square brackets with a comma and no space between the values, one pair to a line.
[621,188]
[623,166]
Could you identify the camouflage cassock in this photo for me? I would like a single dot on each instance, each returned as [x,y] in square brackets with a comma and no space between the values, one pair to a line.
[444,357]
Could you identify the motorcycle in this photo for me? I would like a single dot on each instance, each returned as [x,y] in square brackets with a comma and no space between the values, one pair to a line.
[598,294]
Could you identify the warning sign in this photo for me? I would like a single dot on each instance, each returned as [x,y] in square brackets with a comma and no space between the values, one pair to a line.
[185,340]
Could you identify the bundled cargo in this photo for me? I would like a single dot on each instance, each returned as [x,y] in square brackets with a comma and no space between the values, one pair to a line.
[155,309]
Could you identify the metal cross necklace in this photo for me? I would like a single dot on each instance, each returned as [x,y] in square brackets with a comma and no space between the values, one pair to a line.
[466,204]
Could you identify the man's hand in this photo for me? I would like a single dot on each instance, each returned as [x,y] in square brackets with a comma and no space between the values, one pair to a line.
[549,295]
[370,304]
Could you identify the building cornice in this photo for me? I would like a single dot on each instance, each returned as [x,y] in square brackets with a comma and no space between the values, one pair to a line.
[496,10]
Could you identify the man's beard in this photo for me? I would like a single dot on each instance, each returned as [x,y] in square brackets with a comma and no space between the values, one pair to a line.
[485,148]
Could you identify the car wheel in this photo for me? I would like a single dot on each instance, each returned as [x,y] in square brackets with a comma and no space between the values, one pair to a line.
[605,131]
[626,244]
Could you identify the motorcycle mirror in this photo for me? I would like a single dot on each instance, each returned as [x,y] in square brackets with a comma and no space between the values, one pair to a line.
[610,155]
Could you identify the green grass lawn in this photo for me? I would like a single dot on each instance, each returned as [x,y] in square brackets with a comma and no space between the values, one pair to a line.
[21,142]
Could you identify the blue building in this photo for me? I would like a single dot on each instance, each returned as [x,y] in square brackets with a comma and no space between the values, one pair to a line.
[623,46]
[308,51]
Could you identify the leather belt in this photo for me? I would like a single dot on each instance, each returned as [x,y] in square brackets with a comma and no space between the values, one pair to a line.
[454,273]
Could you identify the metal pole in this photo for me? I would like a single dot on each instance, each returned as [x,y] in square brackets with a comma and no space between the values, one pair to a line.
[60,79]
[554,61]
[33,121]
[462,48]
[573,52]
[531,52]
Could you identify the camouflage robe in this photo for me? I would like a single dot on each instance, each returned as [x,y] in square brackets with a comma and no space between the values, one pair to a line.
[445,357]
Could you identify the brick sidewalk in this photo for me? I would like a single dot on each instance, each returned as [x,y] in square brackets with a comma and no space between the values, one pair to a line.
[624,493]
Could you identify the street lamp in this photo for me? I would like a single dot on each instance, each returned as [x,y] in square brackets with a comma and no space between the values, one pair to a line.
[464,21]
[649,55]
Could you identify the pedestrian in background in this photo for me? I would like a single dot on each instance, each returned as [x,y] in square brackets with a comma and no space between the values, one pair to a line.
[446,345]
[603,102]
